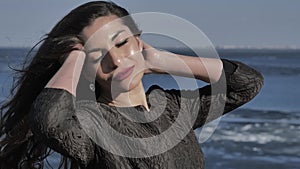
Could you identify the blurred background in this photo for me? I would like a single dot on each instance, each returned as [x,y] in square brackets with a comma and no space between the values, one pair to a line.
[264,133]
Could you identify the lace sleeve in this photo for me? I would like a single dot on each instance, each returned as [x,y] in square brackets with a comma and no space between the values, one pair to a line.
[240,84]
[54,121]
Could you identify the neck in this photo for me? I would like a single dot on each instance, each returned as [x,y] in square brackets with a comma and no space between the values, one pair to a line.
[134,97]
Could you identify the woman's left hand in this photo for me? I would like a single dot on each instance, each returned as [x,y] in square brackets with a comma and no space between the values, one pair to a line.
[153,59]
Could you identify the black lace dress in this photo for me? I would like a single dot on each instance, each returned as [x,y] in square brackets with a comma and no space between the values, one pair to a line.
[71,126]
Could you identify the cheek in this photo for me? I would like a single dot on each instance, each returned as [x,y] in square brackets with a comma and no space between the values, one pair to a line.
[100,75]
[131,48]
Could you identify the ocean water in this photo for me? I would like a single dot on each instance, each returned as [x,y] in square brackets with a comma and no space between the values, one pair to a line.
[262,134]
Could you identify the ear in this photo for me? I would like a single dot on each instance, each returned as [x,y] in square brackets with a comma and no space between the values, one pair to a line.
[139,42]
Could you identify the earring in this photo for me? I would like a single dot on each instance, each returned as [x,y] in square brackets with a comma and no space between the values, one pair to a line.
[92,87]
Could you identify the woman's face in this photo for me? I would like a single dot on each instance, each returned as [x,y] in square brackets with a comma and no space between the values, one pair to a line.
[114,55]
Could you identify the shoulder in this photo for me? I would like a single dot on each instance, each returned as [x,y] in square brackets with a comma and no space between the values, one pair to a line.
[173,97]
[53,120]
[158,92]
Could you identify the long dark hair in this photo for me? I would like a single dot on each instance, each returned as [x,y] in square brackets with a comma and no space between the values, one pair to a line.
[18,146]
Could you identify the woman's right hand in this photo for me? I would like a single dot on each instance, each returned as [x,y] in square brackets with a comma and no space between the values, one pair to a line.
[77,47]
[68,75]
[153,59]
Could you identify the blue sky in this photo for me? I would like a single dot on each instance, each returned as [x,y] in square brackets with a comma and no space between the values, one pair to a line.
[256,23]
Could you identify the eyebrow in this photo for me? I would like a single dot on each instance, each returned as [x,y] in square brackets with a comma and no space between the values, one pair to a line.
[116,35]
[112,38]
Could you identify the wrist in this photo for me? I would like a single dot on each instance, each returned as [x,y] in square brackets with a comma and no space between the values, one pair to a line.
[75,55]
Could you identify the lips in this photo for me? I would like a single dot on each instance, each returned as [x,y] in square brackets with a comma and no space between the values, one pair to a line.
[124,74]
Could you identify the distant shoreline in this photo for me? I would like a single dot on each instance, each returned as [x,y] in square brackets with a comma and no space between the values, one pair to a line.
[220,50]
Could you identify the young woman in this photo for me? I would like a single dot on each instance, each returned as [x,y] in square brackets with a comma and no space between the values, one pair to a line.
[53,106]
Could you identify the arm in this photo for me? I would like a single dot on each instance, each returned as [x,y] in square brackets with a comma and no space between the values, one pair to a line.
[53,121]
[238,85]
[68,75]
[205,69]
[233,83]
[53,115]
[242,82]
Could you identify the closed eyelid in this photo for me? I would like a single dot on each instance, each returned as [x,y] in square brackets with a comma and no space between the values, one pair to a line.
[124,35]
[122,42]
[122,39]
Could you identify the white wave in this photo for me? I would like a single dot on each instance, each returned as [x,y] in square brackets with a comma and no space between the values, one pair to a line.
[261,138]
[245,134]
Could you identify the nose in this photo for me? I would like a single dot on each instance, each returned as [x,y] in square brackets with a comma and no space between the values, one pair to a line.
[115,58]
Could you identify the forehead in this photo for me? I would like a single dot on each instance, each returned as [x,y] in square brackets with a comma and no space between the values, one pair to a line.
[103,27]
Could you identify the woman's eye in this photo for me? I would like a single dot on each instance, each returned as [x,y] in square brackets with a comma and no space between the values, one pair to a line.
[122,43]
